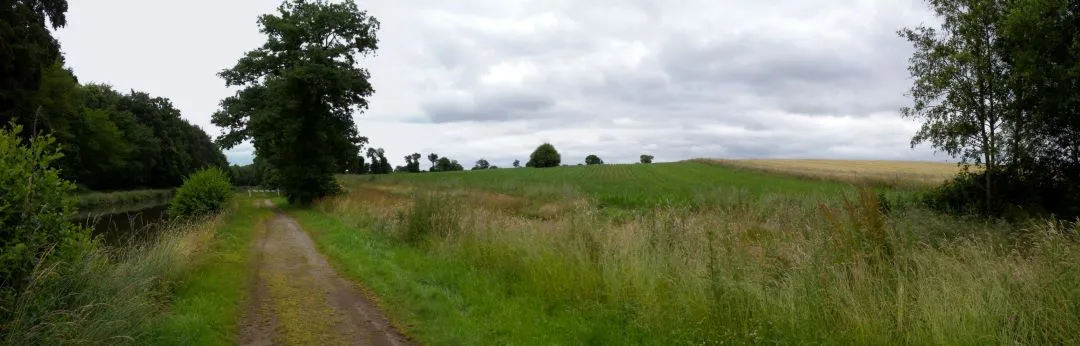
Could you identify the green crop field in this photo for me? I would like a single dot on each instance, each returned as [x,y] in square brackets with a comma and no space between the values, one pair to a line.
[625,186]
[691,253]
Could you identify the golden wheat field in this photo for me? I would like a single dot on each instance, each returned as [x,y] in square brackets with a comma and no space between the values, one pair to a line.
[853,170]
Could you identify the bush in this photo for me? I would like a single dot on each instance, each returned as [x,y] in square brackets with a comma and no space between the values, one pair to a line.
[204,192]
[544,156]
[646,158]
[35,206]
[1014,196]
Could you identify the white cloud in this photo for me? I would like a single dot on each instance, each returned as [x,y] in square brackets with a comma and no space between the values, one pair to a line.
[493,79]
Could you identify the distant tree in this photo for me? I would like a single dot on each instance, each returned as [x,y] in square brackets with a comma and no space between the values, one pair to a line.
[646,158]
[414,165]
[300,91]
[493,167]
[544,156]
[433,157]
[593,160]
[455,166]
[517,163]
[443,164]
[481,164]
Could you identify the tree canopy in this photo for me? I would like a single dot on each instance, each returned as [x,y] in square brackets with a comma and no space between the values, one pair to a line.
[300,91]
[593,160]
[990,92]
[544,156]
[646,158]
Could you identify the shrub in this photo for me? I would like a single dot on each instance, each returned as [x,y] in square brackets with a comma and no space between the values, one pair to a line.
[35,206]
[646,158]
[204,192]
[593,160]
[544,156]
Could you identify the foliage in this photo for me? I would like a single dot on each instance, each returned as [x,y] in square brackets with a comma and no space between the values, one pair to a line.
[445,164]
[544,156]
[481,164]
[646,158]
[204,192]
[433,157]
[28,49]
[517,163]
[300,91]
[412,163]
[991,93]
[35,206]
[593,160]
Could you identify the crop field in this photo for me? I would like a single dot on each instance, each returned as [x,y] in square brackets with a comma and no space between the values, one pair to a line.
[691,253]
[625,186]
[879,172]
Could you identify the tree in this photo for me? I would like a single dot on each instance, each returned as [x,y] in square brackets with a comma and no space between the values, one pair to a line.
[593,160]
[517,164]
[544,156]
[300,91]
[960,92]
[646,158]
[28,49]
[433,157]
[443,165]
[481,164]
[414,166]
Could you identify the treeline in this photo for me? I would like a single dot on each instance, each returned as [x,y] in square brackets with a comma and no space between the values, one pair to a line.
[998,85]
[109,140]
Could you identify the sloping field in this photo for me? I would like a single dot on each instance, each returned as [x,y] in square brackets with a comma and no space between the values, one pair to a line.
[625,186]
[691,253]
[853,171]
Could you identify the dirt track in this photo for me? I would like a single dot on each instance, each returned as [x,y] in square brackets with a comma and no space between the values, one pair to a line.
[296,297]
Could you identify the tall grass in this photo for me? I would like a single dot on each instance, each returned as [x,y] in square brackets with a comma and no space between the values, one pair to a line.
[144,293]
[760,268]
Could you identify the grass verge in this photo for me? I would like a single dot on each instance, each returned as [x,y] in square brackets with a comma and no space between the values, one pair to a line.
[181,288]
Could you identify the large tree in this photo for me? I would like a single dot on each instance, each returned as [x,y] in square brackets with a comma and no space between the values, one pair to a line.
[300,91]
[27,48]
[960,92]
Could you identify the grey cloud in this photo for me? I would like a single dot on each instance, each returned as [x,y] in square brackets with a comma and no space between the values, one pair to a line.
[488,106]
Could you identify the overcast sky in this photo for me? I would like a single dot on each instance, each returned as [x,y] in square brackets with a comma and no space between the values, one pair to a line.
[493,79]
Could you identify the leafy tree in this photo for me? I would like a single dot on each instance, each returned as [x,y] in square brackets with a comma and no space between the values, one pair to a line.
[593,160]
[27,49]
[646,158]
[433,157]
[300,90]
[544,156]
[414,163]
[481,164]
[517,163]
[959,89]
[443,164]
[455,166]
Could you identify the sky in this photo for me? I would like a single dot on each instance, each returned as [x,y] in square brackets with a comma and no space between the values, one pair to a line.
[677,79]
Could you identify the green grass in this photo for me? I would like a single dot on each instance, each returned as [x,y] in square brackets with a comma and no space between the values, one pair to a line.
[206,305]
[624,186]
[184,287]
[705,254]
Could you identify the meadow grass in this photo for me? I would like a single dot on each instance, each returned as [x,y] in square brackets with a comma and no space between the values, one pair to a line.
[468,261]
[181,288]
